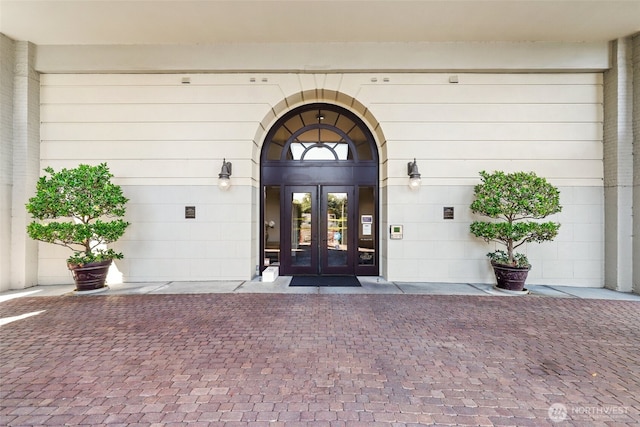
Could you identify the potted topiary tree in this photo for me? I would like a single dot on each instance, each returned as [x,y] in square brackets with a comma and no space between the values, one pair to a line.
[83,197]
[518,201]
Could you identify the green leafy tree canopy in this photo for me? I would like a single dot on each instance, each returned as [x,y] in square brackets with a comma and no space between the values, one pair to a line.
[86,197]
[516,201]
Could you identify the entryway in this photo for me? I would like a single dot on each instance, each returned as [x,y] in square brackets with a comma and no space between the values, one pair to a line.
[319,203]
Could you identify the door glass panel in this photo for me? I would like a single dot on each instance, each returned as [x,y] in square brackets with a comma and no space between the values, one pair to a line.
[337,229]
[367,228]
[301,229]
[271,225]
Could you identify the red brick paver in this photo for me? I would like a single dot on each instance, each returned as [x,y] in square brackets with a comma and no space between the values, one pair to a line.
[321,360]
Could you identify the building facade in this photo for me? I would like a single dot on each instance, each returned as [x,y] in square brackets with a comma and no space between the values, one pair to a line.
[165,119]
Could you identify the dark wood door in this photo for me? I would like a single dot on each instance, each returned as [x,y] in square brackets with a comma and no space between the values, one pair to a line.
[317,238]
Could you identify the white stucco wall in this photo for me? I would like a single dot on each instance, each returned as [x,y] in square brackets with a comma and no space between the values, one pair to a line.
[550,124]
[165,140]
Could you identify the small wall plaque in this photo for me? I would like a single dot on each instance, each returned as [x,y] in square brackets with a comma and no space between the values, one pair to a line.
[447,212]
[189,212]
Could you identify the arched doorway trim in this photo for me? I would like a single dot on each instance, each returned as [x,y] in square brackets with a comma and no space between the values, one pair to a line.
[321,96]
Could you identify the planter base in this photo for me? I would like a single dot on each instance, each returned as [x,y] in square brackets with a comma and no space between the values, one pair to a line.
[91,292]
[90,277]
[509,292]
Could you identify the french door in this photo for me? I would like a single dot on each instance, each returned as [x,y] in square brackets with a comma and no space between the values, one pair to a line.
[318,239]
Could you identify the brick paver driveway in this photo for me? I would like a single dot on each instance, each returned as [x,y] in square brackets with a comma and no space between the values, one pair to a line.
[259,359]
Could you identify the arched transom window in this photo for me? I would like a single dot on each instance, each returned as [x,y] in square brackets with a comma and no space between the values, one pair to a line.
[319,132]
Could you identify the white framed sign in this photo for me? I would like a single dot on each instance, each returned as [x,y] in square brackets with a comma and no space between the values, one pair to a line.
[366,229]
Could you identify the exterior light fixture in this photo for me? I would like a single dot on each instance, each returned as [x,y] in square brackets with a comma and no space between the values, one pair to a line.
[414,175]
[224,182]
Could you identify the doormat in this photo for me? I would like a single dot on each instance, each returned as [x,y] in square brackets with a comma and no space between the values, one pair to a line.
[333,281]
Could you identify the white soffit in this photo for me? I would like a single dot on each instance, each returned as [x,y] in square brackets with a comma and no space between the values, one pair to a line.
[126,22]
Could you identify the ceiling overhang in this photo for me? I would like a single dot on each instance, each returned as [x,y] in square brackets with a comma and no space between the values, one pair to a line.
[188,22]
[319,36]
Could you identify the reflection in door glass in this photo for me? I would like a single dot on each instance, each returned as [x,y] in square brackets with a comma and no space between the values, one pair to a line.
[271,226]
[301,230]
[337,229]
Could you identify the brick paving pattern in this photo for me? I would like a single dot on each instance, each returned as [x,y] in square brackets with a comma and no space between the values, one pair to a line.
[320,360]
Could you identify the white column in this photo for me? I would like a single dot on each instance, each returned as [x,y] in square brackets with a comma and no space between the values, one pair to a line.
[26,164]
[636,162]
[7,61]
[618,167]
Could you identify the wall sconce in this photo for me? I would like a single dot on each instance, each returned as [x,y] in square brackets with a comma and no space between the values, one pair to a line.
[414,175]
[224,182]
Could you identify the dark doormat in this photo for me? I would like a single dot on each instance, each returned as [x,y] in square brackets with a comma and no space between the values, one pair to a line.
[344,281]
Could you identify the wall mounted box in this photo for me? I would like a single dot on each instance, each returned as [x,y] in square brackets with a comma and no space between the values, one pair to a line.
[395,232]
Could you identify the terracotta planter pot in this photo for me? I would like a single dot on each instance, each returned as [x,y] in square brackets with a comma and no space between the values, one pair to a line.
[90,277]
[509,277]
